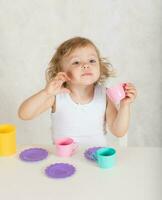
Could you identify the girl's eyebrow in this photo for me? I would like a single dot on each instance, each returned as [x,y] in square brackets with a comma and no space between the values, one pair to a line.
[93,55]
[72,57]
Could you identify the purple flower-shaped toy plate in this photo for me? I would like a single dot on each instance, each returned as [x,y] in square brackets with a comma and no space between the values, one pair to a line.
[33,154]
[60,170]
[90,152]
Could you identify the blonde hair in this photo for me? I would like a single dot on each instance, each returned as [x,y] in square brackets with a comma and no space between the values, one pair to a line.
[66,48]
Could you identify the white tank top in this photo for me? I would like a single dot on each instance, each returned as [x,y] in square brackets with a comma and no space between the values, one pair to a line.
[85,123]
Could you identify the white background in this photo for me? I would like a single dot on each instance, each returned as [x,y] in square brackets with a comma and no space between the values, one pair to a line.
[126,32]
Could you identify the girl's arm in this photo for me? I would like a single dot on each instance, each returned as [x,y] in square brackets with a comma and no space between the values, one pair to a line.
[35,105]
[118,120]
[44,99]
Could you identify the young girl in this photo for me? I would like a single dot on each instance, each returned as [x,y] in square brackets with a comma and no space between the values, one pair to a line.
[80,108]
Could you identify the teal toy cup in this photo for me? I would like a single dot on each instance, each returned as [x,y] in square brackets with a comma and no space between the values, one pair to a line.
[105,157]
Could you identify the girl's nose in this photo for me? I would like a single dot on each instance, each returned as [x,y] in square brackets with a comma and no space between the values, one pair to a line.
[85,66]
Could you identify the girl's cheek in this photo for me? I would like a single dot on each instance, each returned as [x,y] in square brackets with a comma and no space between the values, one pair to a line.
[70,75]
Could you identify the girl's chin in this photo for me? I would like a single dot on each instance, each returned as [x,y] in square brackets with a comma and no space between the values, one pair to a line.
[88,82]
[85,82]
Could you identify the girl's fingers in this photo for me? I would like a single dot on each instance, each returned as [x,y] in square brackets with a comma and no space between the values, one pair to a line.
[130,88]
[61,78]
[130,95]
[57,79]
[129,84]
[56,84]
[63,75]
[131,91]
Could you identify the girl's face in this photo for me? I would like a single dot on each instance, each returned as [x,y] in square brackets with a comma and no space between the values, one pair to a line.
[82,66]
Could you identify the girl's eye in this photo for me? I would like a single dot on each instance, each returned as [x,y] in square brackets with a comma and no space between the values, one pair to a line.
[75,63]
[92,61]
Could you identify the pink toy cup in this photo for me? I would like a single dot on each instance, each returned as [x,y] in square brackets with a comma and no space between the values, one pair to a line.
[65,147]
[116,93]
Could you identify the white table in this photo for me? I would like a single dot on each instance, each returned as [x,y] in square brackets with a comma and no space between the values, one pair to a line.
[137,176]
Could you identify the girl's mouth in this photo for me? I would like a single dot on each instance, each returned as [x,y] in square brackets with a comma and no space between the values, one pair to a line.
[87,74]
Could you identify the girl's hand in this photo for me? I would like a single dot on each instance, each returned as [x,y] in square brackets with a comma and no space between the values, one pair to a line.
[130,93]
[55,86]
